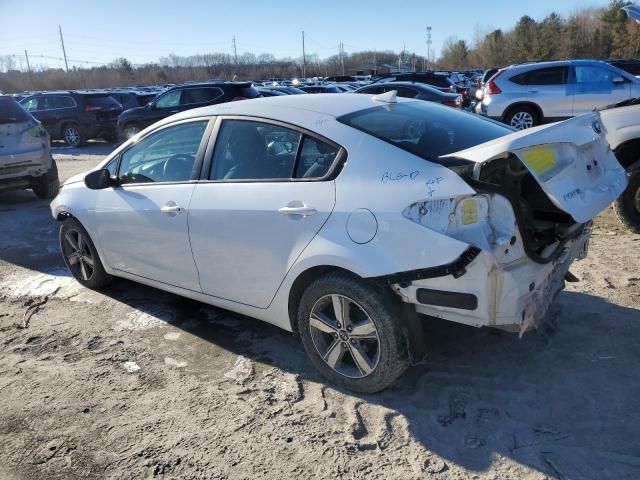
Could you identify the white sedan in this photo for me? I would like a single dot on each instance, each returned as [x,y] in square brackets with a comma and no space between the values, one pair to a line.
[345,217]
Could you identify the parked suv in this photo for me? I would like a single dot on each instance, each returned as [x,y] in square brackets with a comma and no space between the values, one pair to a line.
[527,95]
[75,117]
[25,159]
[180,98]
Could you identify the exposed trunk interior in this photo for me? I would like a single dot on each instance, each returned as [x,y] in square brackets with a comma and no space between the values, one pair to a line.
[543,226]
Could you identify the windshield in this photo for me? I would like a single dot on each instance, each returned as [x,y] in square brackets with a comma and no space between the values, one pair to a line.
[425,129]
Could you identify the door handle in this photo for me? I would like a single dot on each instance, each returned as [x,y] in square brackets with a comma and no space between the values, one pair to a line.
[303,211]
[534,91]
[172,210]
[174,111]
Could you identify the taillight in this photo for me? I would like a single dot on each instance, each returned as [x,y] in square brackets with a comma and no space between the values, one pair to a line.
[92,108]
[492,88]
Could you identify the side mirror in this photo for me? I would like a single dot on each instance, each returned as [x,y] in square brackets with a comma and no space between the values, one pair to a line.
[151,105]
[98,180]
[618,80]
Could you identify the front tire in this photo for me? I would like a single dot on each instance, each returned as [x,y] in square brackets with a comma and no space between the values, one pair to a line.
[627,207]
[80,255]
[48,185]
[522,117]
[353,332]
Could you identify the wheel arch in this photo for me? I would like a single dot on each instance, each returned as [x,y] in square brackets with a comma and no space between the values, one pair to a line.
[532,105]
[628,154]
[301,282]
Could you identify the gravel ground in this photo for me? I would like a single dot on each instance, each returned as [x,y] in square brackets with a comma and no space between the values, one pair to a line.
[132,382]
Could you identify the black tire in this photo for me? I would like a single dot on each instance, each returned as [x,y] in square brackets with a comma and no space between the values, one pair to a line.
[97,278]
[522,117]
[385,313]
[48,185]
[72,135]
[627,207]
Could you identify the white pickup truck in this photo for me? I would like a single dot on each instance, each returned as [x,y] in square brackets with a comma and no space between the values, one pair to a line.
[621,125]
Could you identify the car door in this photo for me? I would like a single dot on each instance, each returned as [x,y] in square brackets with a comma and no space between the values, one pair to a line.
[597,86]
[263,200]
[548,88]
[142,221]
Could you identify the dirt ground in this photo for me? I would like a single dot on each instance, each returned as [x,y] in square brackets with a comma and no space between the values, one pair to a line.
[136,383]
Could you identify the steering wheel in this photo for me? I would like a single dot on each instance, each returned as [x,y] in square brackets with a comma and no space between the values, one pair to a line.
[178,167]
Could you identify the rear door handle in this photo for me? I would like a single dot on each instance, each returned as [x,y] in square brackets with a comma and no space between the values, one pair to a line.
[303,211]
[534,91]
[174,111]
[172,210]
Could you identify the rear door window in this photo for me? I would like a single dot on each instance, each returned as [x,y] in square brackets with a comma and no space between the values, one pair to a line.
[250,150]
[200,95]
[543,76]
[316,158]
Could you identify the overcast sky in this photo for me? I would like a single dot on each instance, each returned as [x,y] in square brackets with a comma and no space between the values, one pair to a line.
[143,31]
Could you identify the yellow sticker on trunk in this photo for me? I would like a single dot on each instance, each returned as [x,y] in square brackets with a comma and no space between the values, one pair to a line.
[540,160]
[469,211]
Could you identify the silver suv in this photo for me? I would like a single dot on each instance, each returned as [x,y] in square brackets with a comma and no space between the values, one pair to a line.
[527,95]
[25,157]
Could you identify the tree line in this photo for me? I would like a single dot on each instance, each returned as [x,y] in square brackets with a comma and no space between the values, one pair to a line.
[597,33]
[586,33]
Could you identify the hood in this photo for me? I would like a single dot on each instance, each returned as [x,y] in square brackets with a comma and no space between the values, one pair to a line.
[570,160]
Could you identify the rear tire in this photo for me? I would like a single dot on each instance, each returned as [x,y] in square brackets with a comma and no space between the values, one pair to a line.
[130,130]
[370,341]
[48,185]
[80,255]
[627,207]
[522,117]
[72,135]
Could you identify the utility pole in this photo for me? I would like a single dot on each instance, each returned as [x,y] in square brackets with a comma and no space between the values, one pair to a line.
[304,59]
[26,55]
[64,53]
[235,51]
[428,45]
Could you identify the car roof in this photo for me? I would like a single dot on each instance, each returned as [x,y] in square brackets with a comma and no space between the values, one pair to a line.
[289,106]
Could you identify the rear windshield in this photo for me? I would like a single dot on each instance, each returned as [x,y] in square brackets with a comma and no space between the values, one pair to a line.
[425,129]
[12,112]
[104,101]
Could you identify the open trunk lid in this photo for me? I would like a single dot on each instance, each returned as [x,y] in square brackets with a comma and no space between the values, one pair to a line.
[571,161]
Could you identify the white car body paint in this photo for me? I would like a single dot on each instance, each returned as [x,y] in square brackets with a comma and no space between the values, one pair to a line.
[621,124]
[512,290]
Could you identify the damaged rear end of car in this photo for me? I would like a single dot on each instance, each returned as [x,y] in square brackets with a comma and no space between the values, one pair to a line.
[536,193]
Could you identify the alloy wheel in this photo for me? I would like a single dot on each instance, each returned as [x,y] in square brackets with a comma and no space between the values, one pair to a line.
[131,131]
[78,255]
[344,336]
[522,120]
[72,136]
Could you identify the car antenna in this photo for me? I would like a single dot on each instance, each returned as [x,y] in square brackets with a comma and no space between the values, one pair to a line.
[387,97]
